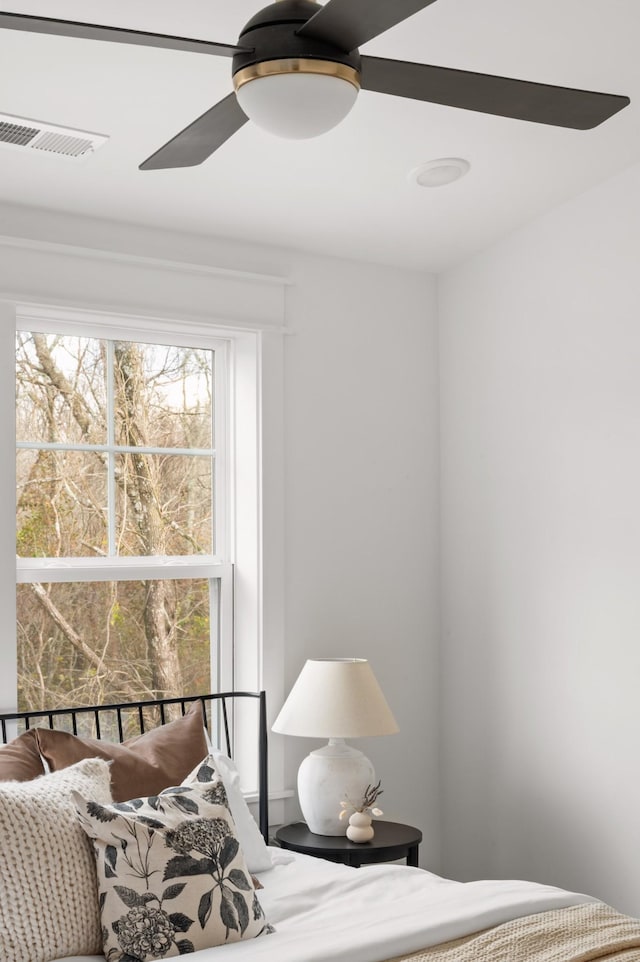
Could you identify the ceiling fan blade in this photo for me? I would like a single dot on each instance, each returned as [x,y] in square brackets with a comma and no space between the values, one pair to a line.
[93,31]
[350,23]
[519,99]
[199,140]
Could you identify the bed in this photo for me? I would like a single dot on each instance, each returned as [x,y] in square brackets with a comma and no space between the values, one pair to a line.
[296,908]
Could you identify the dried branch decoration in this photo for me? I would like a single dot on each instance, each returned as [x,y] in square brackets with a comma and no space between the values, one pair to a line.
[365,804]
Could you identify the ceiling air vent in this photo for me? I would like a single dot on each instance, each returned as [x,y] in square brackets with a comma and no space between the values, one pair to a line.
[24,134]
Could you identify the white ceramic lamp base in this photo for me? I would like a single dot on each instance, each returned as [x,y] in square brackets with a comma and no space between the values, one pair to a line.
[325,778]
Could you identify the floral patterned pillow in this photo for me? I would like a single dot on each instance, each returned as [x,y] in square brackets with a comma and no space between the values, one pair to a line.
[172,878]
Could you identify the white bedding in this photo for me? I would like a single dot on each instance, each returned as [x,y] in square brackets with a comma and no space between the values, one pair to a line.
[324,911]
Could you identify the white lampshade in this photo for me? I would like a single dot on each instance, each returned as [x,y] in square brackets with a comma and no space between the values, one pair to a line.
[296,103]
[334,698]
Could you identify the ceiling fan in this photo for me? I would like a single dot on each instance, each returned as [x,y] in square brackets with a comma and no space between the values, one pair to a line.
[297,71]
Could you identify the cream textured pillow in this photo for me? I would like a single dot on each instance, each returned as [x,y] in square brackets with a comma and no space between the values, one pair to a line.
[171,875]
[48,905]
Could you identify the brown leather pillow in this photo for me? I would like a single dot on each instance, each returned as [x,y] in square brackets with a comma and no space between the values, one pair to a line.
[141,766]
[20,760]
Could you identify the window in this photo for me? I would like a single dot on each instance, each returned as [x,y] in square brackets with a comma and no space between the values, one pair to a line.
[124,575]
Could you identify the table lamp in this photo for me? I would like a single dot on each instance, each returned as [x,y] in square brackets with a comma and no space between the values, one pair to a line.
[334,698]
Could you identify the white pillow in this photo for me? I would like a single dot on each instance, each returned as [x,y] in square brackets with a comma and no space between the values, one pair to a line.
[48,885]
[248,834]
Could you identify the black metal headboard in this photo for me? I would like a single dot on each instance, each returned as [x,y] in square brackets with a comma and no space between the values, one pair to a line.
[137,713]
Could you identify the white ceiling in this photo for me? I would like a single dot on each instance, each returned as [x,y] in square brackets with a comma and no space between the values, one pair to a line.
[346,193]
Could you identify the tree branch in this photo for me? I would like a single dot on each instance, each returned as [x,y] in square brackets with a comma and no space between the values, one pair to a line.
[73,637]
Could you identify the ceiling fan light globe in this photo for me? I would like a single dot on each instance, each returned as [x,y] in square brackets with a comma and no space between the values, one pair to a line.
[297,105]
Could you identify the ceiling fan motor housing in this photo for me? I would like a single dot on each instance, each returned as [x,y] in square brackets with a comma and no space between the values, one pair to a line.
[271,35]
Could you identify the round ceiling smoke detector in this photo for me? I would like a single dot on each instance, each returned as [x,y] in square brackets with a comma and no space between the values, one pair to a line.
[437,173]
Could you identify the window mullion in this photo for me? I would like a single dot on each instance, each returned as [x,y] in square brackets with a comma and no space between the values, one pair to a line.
[111,457]
[115,448]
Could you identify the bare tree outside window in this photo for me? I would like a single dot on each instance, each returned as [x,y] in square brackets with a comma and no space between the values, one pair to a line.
[115,460]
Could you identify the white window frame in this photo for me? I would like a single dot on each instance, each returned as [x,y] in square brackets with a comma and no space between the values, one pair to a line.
[231,379]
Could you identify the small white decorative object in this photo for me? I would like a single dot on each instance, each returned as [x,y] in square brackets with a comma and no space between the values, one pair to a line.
[360,828]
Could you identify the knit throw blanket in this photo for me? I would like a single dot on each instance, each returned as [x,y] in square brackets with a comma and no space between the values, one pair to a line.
[593,932]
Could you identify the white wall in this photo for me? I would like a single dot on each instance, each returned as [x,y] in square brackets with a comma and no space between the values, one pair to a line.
[361,506]
[356,463]
[540,427]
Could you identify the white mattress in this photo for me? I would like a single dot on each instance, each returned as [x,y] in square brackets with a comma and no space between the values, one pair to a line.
[324,911]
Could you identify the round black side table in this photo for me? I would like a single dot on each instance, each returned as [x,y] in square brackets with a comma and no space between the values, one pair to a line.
[390,842]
